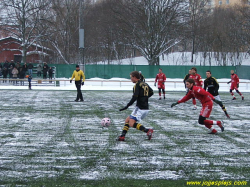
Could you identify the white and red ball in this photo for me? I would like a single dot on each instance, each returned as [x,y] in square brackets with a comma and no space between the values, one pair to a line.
[106,122]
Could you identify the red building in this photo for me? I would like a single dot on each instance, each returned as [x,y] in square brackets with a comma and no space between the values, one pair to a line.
[11,49]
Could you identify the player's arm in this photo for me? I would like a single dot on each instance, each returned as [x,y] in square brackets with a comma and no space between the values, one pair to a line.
[216,84]
[200,80]
[156,78]
[73,76]
[205,84]
[184,99]
[150,92]
[133,99]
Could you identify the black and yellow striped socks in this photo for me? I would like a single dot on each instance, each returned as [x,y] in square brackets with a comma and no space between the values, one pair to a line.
[125,129]
[140,127]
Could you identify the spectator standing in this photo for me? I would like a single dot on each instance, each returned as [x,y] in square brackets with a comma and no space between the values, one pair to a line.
[22,75]
[30,68]
[25,67]
[45,70]
[18,67]
[10,72]
[5,73]
[50,74]
[12,63]
[15,73]
[39,70]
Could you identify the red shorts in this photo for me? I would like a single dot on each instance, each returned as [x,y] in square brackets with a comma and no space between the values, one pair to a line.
[206,109]
[161,86]
[233,86]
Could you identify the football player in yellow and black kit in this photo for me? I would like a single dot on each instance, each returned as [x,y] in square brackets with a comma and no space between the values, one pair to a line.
[141,93]
[212,86]
[79,80]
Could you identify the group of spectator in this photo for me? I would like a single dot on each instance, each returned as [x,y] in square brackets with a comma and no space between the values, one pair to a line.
[16,70]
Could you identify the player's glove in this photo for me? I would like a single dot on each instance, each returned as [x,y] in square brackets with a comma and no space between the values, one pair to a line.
[70,81]
[82,83]
[218,102]
[228,82]
[237,85]
[123,108]
[155,84]
[163,83]
[174,104]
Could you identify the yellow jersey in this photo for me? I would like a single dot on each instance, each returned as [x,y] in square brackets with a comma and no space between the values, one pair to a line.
[78,75]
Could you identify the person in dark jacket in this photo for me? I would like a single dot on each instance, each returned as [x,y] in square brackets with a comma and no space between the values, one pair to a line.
[21,76]
[5,73]
[45,70]
[50,74]
[212,86]
[30,68]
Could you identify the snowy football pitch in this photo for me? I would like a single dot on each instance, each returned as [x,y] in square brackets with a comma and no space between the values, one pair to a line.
[48,139]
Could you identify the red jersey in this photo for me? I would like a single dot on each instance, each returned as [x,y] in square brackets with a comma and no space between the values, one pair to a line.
[234,79]
[197,78]
[161,77]
[199,93]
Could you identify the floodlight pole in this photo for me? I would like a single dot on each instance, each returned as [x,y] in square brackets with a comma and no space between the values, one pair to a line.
[81,35]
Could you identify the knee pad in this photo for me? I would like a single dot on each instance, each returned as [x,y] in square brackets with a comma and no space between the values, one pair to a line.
[231,90]
[201,120]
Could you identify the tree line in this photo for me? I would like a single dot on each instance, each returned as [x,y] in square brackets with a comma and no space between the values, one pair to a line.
[118,29]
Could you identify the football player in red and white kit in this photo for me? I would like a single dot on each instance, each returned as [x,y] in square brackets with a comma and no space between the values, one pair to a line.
[235,85]
[198,82]
[161,78]
[206,100]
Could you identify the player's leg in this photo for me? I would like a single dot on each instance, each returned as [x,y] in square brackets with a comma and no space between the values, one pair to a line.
[231,91]
[217,97]
[159,91]
[205,113]
[239,93]
[78,87]
[163,90]
[124,130]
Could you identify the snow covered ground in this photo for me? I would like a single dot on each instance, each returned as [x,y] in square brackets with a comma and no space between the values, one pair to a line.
[46,135]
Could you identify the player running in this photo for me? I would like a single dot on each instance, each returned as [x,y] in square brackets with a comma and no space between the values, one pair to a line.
[206,100]
[212,86]
[235,85]
[141,92]
[161,78]
[198,82]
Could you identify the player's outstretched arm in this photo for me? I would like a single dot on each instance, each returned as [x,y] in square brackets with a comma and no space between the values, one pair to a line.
[173,104]
[123,108]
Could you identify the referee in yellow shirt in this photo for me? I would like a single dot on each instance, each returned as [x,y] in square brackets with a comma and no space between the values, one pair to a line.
[79,80]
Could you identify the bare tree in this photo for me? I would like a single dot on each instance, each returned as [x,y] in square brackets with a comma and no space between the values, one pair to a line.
[21,20]
[152,26]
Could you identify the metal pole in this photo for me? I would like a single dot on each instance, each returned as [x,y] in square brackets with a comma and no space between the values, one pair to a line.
[81,35]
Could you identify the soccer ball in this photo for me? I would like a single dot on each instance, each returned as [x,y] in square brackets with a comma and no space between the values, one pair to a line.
[106,122]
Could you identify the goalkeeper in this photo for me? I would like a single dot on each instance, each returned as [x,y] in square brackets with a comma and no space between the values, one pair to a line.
[212,86]
[206,100]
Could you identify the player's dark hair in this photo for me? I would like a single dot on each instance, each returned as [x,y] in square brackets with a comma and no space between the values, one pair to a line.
[208,71]
[194,68]
[135,74]
[190,81]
